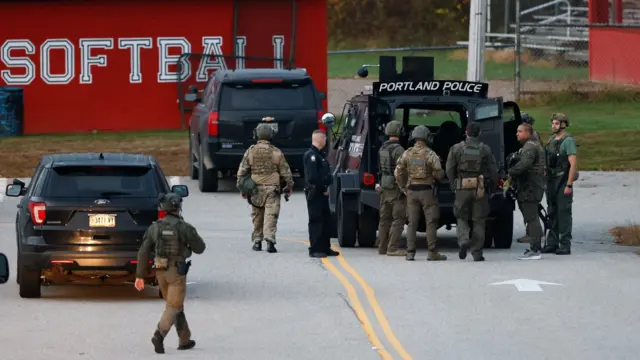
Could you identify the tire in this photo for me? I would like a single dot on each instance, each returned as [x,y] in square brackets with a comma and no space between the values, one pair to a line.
[29,282]
[207,179]
[193,169]
[367,227]
[503,230]
[347,225]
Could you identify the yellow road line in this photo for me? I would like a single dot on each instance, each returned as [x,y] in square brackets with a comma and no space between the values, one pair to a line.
[382,320]
[357,305]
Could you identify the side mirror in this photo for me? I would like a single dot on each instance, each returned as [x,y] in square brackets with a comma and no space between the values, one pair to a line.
[323,95]
[14,190]
[328,120]
[363,72]
[181,190]
[192,94]
[4,268]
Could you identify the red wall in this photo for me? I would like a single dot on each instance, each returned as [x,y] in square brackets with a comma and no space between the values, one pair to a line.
[111,101]
[614,54]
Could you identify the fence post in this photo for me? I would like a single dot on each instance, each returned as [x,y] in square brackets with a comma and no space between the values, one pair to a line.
[518,52]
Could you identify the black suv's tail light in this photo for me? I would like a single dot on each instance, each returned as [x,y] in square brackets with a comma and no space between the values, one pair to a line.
[38,212]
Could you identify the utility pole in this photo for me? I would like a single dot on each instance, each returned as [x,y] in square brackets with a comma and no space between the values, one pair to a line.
[518,49]
[477,31]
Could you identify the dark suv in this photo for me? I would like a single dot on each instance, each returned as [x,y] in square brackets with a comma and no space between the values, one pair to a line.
[83,217]
[233,103]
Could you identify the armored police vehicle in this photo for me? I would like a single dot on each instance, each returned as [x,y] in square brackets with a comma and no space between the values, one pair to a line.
[415,98]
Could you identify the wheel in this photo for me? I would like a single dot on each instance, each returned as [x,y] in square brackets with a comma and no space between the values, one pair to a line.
[347,225]
[367,227]
[29,282]
[502,230]
[193,169]
[207,179]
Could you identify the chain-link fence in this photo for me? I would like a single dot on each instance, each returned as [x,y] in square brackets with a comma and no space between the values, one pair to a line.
[558,49]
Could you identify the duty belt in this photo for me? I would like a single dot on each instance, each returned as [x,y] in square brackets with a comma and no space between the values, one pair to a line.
[418,187]
[553,174]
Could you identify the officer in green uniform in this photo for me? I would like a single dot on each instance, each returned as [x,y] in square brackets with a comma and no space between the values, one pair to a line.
[172,240]
[562,171]
[393,202]
[527,176]
[470,165]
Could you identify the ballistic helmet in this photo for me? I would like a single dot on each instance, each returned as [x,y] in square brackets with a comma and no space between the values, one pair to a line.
[560,117]
[393,128]
[264,132]
[527,118]
[170,202]
[421,132]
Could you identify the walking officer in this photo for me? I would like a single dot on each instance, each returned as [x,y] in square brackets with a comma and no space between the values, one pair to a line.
[527,176]
[172,240]
[392,200]
[266,167]
[317,180]
[416,173]
[562,171]
[471,167]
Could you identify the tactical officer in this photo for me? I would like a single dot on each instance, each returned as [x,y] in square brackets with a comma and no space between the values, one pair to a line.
[317,179]
[527,176]
[392,200]
[562,171]
[526,118]
[172,240]
[416,173]
[471,167]
[267,168]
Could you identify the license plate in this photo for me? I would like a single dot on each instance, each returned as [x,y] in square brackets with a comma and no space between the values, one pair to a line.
[102,220]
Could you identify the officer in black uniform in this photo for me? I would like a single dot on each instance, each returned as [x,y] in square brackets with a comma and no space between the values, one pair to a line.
[317,180]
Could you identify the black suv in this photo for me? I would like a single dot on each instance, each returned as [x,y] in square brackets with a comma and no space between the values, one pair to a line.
[233,103]
[83,217]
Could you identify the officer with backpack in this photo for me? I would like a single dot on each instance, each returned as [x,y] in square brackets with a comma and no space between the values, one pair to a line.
[393,202]
[470,167]
[172,240]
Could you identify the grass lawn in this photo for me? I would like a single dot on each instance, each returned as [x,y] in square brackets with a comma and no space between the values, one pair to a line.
[450,65]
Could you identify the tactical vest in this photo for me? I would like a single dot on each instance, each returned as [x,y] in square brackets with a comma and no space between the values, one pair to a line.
[556,163]
[168,243]
[418,167]
[387,165]
[470,164]
[264,160]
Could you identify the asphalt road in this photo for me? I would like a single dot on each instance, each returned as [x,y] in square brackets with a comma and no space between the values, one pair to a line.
[248,305]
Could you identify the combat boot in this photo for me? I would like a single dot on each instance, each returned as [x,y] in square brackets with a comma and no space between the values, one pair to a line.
[182,328]
[549,249]
[462,254]
[158,342]
[563,250]
[435,256]
[477,256]
[397,253]
[411,255]
[271,247]
[257,246]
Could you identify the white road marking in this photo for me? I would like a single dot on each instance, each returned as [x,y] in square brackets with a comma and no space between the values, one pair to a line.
[525,284]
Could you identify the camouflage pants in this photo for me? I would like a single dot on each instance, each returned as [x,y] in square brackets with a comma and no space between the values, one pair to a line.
[426,201]
[393,215]
[174,290]
[264,214]
[534,232]
[466,208]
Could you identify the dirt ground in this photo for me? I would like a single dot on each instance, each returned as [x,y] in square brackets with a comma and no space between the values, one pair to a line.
[22,154]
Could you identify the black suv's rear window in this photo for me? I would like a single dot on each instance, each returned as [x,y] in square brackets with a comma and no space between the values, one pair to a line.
[100,182]
[267,96]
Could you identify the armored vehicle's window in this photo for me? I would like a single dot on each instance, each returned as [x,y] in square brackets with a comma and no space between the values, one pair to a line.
[428,117]
[487,111]
[267,96]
